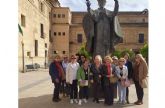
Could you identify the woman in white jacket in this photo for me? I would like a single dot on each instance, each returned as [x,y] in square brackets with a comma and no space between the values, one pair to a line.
[71,79]
[122,73]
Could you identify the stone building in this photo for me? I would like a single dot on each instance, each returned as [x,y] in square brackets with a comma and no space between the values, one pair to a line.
[34,20]
[134,27]
[50,29]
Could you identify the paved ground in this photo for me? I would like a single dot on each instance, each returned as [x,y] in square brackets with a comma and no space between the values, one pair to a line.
[35,91]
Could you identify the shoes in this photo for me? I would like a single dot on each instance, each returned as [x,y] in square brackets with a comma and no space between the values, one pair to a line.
[128,101]
[75,100]
[80,102]
[85,101]
[123,102]
[138,102]
[56,100]
[71,101]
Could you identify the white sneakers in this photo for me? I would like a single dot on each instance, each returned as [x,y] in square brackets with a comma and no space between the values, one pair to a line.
[80,101]
[75,100]
[85,101]
[71,101]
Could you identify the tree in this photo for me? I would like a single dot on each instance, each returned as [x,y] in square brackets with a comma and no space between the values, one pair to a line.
[144,51]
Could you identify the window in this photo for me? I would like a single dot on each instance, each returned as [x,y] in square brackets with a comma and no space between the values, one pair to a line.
[63,33]
[143,19]
[59,15]
[141,38]
[63,15]
[36,48]
[54,15]
[46,45]
[55,52]
[46,53]
[29,54]
[23,20]
[63,52]
[41,7]
[55,33]
[50,38]
[79,38]
[42,30]
[59,33]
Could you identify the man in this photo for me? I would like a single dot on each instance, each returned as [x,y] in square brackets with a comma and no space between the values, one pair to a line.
[57,74]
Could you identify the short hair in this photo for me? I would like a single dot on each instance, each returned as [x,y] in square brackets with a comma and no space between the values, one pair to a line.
[108,58]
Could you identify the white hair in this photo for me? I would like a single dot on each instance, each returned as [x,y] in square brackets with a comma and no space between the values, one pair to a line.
[99,57]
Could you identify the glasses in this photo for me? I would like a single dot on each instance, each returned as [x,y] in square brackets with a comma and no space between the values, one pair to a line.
[121,61]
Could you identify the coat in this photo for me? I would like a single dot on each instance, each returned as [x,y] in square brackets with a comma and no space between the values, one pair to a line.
[81,74]
[125,72]
[143,71]
[53,72]
[71,72]
[104,75]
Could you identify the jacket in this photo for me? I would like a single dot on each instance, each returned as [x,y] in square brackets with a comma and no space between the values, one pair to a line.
[53,72]
[105,73]
[71,73]
[124,70]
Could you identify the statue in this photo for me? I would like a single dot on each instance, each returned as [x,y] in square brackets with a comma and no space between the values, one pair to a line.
[102,29]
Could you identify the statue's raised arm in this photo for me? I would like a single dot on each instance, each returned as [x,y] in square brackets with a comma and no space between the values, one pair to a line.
[116,8]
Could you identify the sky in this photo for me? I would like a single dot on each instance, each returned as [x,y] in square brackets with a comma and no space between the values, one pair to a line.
[124,5]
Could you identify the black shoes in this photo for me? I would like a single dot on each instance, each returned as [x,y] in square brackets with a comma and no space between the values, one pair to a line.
[96,100]
[56,100]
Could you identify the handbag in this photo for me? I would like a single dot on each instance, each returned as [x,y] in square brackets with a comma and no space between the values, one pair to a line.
[127,83]
[84,83]
[144,83]
[113,79]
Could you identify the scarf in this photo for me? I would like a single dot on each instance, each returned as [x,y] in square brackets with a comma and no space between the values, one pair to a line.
[109,69]
[59,68]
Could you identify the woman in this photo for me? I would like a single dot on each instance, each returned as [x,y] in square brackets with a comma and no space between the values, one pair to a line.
[140,73]
[71,79]
[108,87]
[114,64]
[122,73]
[83,77]
[130,71]
[96,71]
[57,75]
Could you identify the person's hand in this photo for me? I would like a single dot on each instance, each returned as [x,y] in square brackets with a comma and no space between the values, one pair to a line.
[99,76]
[57,80]
[108,76]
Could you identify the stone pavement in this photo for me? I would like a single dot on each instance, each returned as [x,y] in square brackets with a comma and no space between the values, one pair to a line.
[35,91]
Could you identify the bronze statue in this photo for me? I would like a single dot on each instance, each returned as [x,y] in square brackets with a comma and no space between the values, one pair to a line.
[102,29]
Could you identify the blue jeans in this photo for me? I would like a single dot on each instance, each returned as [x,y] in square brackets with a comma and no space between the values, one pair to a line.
[121,92]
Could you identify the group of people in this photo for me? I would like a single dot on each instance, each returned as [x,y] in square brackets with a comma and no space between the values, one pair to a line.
[79,75]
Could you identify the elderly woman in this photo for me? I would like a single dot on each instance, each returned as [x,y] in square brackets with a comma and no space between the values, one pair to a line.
[57,75]
[108,86]
[122,73]
[96,71]
[140,73]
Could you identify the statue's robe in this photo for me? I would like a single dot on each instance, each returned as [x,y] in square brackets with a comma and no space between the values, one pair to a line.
[102,32]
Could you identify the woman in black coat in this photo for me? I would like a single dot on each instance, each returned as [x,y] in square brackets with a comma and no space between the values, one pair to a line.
[108,86]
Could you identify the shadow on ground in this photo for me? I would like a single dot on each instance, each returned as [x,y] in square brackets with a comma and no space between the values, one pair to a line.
[45,101]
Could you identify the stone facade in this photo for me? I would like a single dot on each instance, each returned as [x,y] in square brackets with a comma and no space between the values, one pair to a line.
[134,27]
[34,15]
[52,29]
